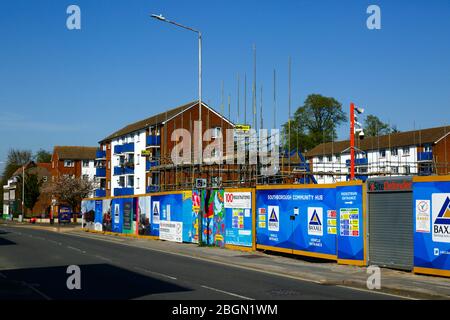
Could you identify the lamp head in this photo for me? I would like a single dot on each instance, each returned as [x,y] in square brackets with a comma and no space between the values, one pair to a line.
[159,17]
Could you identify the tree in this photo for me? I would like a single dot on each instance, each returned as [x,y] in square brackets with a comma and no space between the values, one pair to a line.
[71,191]
[43,156]
[373,127]
[315,122]
[32,189]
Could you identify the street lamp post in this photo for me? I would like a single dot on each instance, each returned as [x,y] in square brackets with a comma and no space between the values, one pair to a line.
[199,34]
[162,18]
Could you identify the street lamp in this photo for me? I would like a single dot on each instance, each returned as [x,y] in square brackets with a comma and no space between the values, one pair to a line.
[160,17]
[355,129]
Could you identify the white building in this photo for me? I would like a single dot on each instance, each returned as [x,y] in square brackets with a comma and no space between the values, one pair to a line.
[419,152]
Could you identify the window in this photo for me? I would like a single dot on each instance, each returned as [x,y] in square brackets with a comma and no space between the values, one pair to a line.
[121,181]
[338,159]
[330,158]
[69,163]
[394,170]
[217,132]
[320,159]
[427,148]
[85,163]
[407,169]
[394,152]
[382,153]
[130,181]
[406,151]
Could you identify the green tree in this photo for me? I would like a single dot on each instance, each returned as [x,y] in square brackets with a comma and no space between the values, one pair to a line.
[373,126]
[313,123]
[43,156]
[32,189]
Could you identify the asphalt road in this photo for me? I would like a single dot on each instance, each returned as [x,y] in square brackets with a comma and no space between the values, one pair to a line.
[33,265]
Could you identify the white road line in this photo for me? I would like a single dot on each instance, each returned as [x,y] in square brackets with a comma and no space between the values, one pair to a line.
[46,297]
[228,293]
[155,273]
[76,249]
[298,278]
[103,258]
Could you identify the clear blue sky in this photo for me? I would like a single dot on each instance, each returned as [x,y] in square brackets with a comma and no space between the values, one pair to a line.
[61,87]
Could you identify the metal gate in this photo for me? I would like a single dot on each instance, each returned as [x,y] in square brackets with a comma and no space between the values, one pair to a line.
[391,222]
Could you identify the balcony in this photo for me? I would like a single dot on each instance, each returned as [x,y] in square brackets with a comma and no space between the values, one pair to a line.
[123,148]
[123,191]
[152,188]
[150,164]
[425,156]
[120,170]
[100,193]
[100,154]
[100,172]
[153,140]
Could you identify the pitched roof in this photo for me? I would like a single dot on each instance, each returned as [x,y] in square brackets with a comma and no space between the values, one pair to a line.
[401,139]
[153,120]
[157,119]
[75,152]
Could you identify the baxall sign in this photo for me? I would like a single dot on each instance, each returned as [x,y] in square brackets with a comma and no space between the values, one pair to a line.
[441,217]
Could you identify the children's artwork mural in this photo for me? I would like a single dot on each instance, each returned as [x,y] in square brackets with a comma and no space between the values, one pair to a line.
[106,215]
[144,215]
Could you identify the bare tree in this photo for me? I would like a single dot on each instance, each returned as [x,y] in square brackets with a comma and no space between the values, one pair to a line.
[71,191]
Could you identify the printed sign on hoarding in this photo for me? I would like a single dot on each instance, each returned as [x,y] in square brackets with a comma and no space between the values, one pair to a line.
[315,218]
[274,221]
[238,200]
[171,231]
[441,217]
[423,216]
[155,212]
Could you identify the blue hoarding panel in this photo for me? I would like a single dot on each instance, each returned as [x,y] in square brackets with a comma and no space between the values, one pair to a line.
[98,211]
[350,222]
[116,215]
[297,219]
[168,207]
[431,205]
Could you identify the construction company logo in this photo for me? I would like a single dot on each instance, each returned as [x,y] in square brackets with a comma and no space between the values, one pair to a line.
[274,218]
[156,212]
[315,218]
[441,217]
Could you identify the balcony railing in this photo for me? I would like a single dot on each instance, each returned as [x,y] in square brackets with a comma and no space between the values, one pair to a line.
[100,172]
[150,164]
[425,156]
[153,140]
[100,193]
[119,170]
[123,191]
[153,188]
[122,148]
[100,154]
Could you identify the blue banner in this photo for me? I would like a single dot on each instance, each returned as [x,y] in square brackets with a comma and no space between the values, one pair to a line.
[431,205]
[116,215]
[299,219]
[167,207]
[350,222]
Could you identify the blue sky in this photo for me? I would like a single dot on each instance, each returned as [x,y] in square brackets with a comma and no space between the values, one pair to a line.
[61,87]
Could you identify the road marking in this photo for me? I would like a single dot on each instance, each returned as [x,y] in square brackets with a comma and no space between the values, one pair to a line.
[228,293]
[155,273]
[103,258]
[46,297]
[298,278]
[76,249]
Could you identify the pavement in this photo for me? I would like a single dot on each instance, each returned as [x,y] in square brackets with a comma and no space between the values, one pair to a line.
[202,272]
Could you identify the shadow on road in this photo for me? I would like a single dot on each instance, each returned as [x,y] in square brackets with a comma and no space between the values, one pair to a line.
[5,242]
[98,281]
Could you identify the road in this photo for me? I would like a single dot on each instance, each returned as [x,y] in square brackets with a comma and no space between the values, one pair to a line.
[33,265]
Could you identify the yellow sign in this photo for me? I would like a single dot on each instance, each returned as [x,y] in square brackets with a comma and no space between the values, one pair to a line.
[243,127]
[145,153]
